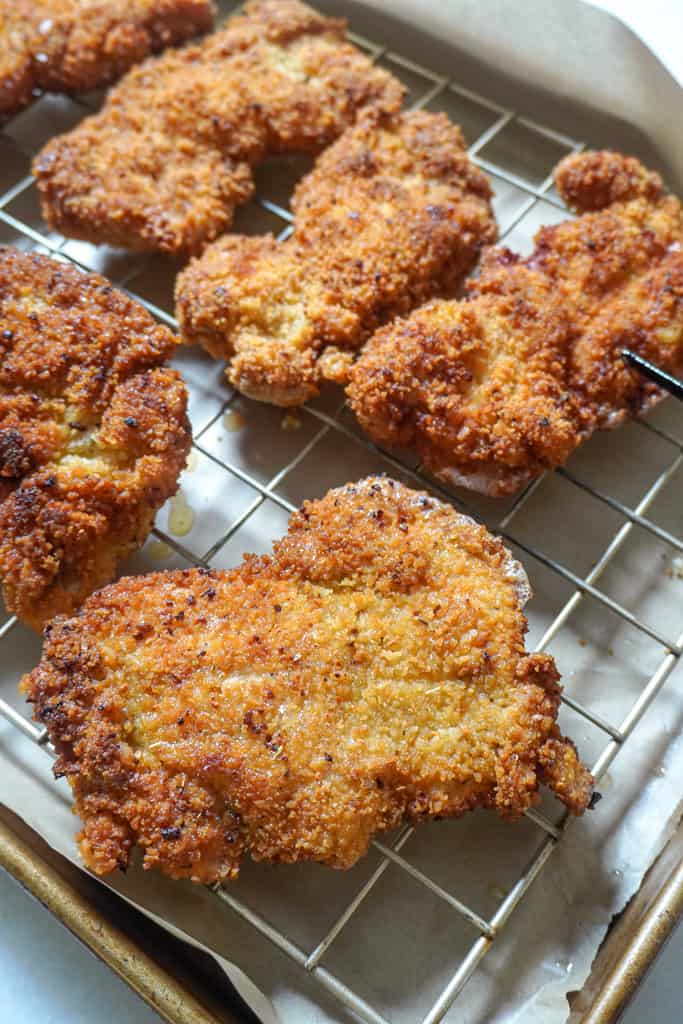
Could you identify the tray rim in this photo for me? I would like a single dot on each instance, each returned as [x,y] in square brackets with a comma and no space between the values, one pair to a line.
[629,949]
[164,993]
[630,969]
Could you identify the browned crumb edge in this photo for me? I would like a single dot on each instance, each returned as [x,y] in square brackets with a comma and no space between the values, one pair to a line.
[61,47]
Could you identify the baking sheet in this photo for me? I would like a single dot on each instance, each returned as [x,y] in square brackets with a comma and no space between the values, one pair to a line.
[403,945]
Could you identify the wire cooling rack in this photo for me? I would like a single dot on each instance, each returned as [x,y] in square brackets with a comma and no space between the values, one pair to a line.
[252,485]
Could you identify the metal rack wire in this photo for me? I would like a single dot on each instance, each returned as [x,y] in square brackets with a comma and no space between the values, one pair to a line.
[436,89]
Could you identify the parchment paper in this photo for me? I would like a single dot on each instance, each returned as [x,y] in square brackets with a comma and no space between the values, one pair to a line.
[403,945]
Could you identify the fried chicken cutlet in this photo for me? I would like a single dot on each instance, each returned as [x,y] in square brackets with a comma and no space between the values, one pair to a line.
[171,154]
[93,432]
[393,213]
[73,46]
[496,389]
[370,671]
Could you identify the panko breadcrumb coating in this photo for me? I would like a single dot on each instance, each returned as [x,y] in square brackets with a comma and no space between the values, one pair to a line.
[73,46]
[494,390]
[171,154]
[393,213]
[93,432]
[370,671]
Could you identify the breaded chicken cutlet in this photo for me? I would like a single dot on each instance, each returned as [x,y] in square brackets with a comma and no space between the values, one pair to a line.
[494,390]
[392,213]
[171,154]
[370,671]
[93,432]
[72,46]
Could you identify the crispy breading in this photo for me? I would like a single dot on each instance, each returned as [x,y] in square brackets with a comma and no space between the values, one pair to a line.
[371,671]
[494,390]
[93,432]
[73,46]
[392,213]
[166,161]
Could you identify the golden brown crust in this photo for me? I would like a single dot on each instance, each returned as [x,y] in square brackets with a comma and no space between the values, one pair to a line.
[371,671]
[170,155]
[93,432]
[73,46]
[393,213]
[496,389]
[598,178]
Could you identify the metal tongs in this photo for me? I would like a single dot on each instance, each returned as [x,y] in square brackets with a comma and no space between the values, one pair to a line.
[653,373]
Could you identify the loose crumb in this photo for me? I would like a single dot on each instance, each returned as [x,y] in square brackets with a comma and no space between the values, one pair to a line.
[290,422]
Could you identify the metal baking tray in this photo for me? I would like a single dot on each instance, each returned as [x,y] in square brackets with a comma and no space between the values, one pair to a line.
[518,152]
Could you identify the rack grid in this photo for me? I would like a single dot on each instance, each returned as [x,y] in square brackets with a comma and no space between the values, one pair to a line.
[490,152]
